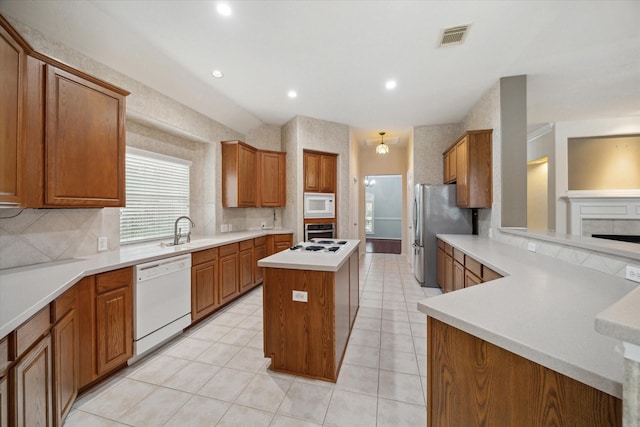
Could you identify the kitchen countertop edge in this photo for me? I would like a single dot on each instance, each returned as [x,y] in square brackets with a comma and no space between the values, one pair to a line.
[50,280]
[525,272]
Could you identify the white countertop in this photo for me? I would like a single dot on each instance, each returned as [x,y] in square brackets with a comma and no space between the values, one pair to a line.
[543,310]
[307,260]
[26,290]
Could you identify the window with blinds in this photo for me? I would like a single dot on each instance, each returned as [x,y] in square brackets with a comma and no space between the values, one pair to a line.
[157,194]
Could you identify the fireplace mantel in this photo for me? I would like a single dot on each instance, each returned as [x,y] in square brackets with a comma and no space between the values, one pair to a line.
[601,204]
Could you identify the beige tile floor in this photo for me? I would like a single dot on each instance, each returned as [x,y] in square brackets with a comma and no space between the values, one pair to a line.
[215,374]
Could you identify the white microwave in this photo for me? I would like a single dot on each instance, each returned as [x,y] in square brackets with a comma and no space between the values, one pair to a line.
[319,205]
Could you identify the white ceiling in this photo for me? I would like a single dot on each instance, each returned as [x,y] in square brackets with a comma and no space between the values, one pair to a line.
[582,58]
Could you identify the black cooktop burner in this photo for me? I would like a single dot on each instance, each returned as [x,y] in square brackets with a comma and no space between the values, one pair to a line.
[333,248]
[326,242]
[314,248]
[342,242]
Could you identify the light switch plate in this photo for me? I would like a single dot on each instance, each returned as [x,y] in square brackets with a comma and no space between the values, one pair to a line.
[531,247]
[633,273]
[102,244]
[300,296]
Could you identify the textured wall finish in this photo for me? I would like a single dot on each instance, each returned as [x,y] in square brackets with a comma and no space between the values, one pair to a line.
[485,114]
[46,235]
[428,145]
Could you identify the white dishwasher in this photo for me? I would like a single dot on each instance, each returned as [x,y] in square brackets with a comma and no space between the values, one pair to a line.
[162,302]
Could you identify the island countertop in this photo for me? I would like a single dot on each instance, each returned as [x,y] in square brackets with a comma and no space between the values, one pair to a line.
[543,310]
[307,260]
[26,290]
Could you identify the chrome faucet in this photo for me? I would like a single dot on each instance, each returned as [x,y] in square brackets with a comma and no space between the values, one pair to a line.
[177,232]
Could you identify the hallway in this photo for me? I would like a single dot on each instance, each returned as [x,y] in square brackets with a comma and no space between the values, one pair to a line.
[215,373]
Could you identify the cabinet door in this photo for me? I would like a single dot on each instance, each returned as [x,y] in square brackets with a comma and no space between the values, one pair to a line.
[462,175]
[311,172]
[114,329]
[84,142]
[458,276]
[471,279]
[203,289]
[229,279]
[4,403]
[328,169]
[12,68]
[247,176]
[259,253]
[440,267]
[64,337]
[448,273]
[33,381]
[245,261]
[272,179]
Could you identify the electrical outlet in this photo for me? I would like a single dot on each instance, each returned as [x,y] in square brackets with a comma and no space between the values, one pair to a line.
[300,296]
[531,247]
[633,273]
[263,224]
[102,244]
[224,228]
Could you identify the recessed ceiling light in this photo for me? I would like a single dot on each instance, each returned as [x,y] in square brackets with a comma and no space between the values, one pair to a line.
[217,74]
[390,84]
[292,94]
[223,9]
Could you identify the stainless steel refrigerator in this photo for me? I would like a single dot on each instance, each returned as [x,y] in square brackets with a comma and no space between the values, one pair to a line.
[434,212]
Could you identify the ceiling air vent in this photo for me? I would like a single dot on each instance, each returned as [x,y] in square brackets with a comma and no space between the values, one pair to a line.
[453,35]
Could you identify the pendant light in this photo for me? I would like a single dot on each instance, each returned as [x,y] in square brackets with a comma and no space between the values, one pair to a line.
[382,148]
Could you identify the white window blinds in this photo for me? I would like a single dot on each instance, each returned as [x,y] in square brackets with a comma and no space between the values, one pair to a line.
[157,194]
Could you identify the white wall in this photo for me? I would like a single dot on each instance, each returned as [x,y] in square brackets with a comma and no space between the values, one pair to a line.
[579,129]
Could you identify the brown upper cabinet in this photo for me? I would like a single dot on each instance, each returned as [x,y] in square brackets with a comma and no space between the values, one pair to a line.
[12,70]
[468,163]
[239,162]
[71,124]
[272,178]
[320,172]
[252,178]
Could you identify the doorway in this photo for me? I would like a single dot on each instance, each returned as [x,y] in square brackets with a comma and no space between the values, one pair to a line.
[383,214]
[537,194]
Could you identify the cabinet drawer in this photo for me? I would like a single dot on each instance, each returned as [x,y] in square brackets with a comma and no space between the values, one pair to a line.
[31,331]
[259,241]
[448,249]
[458,255]
[63,304]
[441,244]
[488,274]
[204,256]
[282,237]
[228,249]
[114,280]
[4,356]
[246,244]
[472,265]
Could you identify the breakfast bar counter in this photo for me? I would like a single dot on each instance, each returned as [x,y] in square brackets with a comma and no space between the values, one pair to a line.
[311,298]
[542,316]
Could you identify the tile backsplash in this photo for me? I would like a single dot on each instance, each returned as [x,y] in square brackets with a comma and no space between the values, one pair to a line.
[34,236]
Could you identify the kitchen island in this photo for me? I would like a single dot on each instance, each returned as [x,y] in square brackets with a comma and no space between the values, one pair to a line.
[523,350]
[311,299]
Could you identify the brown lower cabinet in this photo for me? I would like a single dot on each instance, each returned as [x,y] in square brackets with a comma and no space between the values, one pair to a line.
[65,341]
[4,402]
[259,252]
[229,278]
[457,270]
[105,306]
[204,283]
[246,265]
[278,242]
[33,382]
[472,382]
